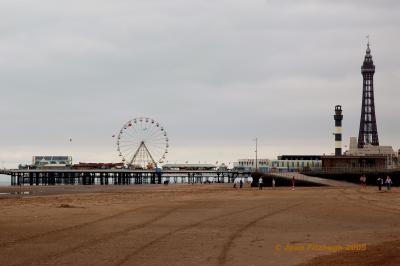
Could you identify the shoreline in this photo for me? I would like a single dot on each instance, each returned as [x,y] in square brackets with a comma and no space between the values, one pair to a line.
[46,190]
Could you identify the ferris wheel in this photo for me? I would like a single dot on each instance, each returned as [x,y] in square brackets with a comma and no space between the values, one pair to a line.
[142,142]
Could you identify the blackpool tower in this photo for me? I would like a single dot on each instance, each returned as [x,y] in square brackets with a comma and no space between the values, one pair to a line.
[368,133]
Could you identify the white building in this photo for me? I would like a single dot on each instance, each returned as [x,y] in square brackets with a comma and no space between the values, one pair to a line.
[51,161]
[282,163]
[188,166]
[250,164]
[391,155]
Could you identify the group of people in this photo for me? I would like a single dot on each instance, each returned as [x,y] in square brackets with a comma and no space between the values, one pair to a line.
[363,180]
[260,183]
[388,183]
[239,181]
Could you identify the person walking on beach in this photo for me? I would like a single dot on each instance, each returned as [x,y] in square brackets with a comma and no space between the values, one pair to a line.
[388,183]
[293,182]
[273,182]
[363,181]
[380,183]
[260,183]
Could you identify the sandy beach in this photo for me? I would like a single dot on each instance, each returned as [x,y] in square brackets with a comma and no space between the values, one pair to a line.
[198,225]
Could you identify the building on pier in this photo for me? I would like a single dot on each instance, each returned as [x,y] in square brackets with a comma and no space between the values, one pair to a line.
[83,166]
[352,162]
[250,165]
[51,160]
[296,162]
[48,161]
[282,163]
[390,156]
[188,166]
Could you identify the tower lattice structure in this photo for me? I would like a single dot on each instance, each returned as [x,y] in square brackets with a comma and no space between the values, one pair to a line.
[368,133]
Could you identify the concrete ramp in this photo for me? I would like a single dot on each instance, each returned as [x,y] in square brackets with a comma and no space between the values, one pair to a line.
[315,180]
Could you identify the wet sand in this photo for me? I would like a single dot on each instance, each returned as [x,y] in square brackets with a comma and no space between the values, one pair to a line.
[197,225]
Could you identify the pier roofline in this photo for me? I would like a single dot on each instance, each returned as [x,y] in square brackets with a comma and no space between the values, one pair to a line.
[146,171]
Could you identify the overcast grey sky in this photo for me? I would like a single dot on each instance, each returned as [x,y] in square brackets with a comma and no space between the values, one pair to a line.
[215,73]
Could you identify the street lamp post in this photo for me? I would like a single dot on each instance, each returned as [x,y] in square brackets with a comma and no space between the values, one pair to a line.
[256,154]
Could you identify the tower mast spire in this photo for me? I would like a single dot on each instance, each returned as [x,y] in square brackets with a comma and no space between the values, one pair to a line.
[368,133]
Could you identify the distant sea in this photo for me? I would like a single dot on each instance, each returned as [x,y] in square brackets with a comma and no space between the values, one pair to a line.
[5,180]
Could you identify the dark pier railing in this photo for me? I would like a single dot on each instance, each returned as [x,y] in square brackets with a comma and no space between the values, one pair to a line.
[117,176]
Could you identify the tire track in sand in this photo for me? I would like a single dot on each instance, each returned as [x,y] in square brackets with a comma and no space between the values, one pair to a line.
[183,228]
[70,228]
[227,246]
[101,239]
[370,203]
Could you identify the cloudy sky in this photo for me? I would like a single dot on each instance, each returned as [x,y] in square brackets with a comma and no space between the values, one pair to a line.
[215,73]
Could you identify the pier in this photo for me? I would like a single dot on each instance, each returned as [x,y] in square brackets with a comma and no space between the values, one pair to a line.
[37,177]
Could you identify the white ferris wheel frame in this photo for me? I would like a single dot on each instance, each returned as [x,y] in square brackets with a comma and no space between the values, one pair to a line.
[142,141]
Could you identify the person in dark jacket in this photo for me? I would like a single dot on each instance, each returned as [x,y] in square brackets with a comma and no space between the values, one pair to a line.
[380,183]
[293,182]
